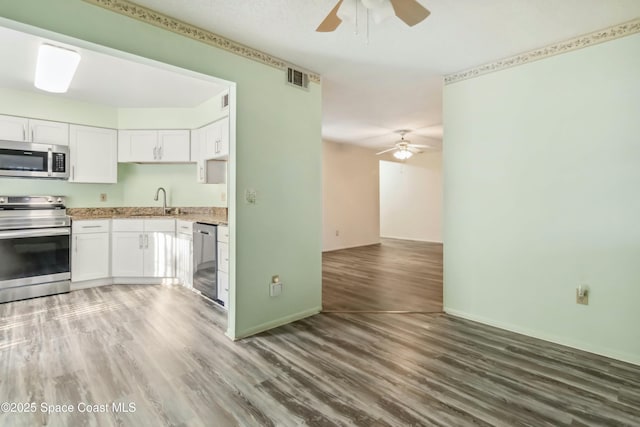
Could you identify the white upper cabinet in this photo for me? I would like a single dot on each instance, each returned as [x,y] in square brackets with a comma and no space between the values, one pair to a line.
[216,140]
[174,146]
[93,154]
[45,132]
[154,146]
[207,171]
[14,128]
[223,145]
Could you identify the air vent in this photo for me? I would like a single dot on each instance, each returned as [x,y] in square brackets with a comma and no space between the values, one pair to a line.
[225,101]
[297,78]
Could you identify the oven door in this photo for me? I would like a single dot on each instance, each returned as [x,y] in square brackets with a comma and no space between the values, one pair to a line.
[32,257]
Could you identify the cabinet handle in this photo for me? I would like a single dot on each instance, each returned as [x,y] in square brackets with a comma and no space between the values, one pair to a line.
[146,241]
[76,251]
[24,132]
[160,153]
[32,140]
[73,173]
[91,226]
[155,153]
[201,172]
[140,241]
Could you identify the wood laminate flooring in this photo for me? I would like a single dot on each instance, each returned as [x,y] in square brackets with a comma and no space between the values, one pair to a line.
[163,349]
[396,275]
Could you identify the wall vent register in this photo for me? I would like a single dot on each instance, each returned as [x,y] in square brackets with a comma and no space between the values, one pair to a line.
[297,78]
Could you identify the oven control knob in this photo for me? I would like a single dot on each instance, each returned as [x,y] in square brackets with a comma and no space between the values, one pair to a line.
[49,200]
[2,200]
[59,200]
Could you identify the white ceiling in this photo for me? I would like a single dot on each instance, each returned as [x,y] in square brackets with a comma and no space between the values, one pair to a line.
[103,79]
[394,81]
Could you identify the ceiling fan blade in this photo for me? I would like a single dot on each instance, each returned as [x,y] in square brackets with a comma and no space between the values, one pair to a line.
[418,146]
[410,11]
[386,151]
[332,20]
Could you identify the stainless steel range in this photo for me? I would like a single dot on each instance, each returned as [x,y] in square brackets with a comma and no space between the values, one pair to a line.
[35,237]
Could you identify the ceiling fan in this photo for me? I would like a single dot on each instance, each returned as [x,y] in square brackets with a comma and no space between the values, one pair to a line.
[409,11]
[404,149]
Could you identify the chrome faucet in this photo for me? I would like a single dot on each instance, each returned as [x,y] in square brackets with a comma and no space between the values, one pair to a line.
[164,199]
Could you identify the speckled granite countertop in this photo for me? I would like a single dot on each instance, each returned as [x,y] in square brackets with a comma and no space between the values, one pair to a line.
[217,216]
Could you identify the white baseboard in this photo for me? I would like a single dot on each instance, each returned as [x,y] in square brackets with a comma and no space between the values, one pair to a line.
[579,345]
[411,240]
[145,281]
[86,284]
[351,247]
[274,323]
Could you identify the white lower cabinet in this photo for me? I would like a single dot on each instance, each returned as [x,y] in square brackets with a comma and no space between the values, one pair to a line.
[90,250]
[223,264]
[184,252]
[143,248]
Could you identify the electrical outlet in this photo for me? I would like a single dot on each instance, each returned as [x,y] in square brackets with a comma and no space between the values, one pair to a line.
[582,295]
[103,197]
[337,233]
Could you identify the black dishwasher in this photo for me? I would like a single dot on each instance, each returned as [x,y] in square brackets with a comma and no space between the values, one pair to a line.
[204,259]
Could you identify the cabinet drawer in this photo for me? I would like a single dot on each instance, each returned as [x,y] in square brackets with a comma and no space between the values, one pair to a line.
[223,233]
[90,226]
[184,227]
[164,225]
[127,225]
[223,257]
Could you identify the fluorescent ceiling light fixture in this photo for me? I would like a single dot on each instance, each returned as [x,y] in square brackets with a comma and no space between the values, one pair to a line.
[55,68]
[402,154]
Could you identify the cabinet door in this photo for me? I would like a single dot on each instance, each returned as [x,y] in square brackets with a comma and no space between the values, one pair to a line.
[197,154]
[143,145]
[45,132]
[13,128]
[223,257]
[159,254]
[222,149]
[90,256]
[194,153]
[223,288]
[127,254]
[174,146]
[184,260]
[211,137]
[94,154]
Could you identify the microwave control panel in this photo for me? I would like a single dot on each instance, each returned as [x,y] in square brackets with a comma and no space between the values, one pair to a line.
[59,163]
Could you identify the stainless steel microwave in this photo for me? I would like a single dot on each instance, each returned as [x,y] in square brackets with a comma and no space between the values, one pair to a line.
[27,160]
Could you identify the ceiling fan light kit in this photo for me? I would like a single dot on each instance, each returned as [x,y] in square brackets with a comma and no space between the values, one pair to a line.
[403,149]
[402,154]
[409,11]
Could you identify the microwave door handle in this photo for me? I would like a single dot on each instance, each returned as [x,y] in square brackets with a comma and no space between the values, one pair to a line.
[49,162]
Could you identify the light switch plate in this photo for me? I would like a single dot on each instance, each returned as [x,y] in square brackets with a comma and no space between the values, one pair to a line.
[275,289]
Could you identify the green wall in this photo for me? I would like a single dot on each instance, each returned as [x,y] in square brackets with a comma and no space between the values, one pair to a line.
[278,153]
[136,183]
[541,181]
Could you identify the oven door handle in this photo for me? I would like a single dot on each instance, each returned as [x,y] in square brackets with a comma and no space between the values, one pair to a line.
[41,232]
